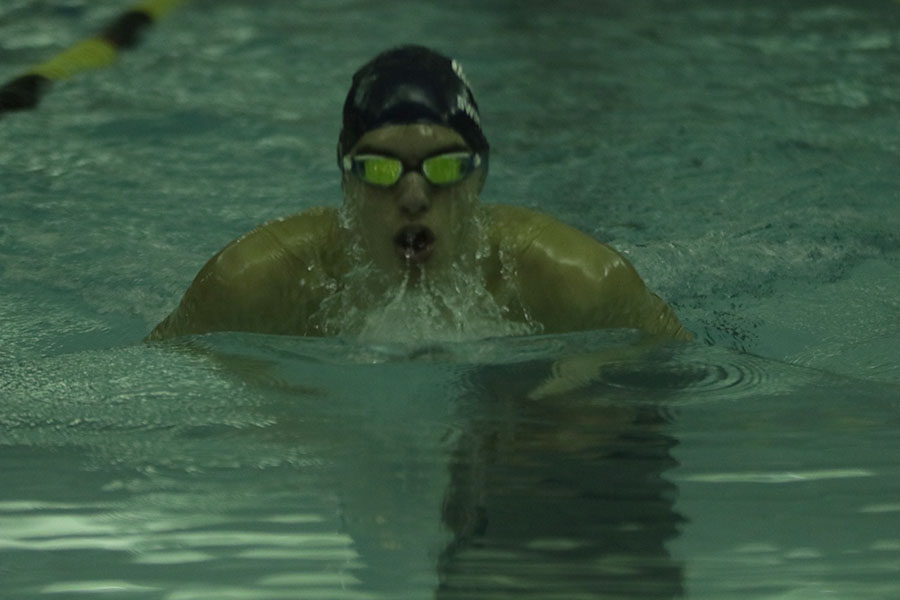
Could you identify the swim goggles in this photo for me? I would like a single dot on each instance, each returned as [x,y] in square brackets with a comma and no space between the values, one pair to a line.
[385,171]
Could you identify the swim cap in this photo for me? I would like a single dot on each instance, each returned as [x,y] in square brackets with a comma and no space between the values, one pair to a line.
[410,84]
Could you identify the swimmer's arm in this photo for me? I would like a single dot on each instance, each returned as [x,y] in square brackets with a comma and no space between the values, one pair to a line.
[570,281]
[252,284]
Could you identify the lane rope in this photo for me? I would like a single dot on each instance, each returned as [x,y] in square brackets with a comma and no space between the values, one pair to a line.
[124,32]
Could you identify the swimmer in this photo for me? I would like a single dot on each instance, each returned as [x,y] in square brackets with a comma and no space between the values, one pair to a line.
[413,161]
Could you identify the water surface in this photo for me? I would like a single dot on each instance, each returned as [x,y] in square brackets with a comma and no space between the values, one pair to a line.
[743,156]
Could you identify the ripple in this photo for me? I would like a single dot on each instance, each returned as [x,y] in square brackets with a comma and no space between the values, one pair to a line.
[693,376]
[740,372]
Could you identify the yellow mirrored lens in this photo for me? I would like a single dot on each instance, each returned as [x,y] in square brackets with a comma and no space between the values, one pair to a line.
[381,171]
[447,168]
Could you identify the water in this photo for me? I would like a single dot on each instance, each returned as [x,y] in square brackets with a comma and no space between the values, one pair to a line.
[742,154]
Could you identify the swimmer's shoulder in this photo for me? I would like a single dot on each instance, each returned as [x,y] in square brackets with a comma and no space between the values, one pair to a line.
[300,231]
[523,230]
[303,237]
[512,228]
[568,280]
[270,261]
[268,280]
[313,223]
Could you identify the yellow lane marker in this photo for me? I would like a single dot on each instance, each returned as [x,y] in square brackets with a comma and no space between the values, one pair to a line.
[25,92]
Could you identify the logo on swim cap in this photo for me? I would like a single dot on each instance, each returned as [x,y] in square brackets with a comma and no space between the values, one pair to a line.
[410,84]
[457,68]
[462,101]
[464,105]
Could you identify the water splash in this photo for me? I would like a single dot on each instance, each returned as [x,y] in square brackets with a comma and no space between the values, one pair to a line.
[450,306]
[454,307]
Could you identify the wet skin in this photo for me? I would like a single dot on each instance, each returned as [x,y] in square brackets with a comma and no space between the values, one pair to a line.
[276,278]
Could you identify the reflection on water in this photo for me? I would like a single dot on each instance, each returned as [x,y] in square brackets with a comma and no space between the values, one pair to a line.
[366,472]
[558,466]
[498,479]
[560,497]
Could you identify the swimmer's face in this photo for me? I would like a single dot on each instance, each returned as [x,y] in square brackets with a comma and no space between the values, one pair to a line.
[414,223]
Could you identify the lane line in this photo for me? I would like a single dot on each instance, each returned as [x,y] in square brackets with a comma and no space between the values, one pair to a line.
[26,91]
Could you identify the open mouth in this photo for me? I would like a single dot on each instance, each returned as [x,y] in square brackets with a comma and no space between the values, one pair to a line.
[414,243]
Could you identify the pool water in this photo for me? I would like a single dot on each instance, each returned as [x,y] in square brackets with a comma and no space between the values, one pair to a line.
[742,154]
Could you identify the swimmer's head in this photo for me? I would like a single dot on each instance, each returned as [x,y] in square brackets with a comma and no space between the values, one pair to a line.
[409,85]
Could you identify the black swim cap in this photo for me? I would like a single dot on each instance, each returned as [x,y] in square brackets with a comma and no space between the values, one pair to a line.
[410,84]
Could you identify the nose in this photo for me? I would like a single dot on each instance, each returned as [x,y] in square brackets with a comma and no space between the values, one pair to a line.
[414,195]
